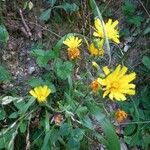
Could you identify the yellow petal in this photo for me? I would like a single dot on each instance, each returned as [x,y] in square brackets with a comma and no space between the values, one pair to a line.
[48,92]
[44,89]
[105,93]
[131,86]
[37,90]
[117,71]
[96,34]
[106,70]
[116,40]
[33,93]
[109,22]
[111,96]
[128,78]
[119,96]
[95,65]
[115,23]
[101,81]
[97,23]
[129,91]
[102,43]
[123,71]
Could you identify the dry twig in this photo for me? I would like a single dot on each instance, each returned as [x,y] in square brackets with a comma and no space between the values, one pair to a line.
[24,23]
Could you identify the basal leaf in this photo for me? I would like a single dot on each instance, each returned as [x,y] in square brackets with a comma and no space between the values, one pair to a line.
[4,35]
[4,75]
[146,61]
[45,15]
[111,137]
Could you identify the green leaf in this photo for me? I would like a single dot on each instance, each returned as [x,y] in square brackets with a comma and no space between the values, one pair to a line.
[54,135]
[146,61]
[27,105]
[4,35]
[73,144]
[47,126]
[135,20]
[4,75]
[34,82]
[52,2]
[111,137]
[42,61]
[45,15]
[69,8]
[2,114]
[82,111]
[128,8]
[51,86]
[113,141]
[11,141]
[43,56]
[77,134]
[86,122]
[65,129]
[13,115]
[45,145]
[58,18]
[146,140]
[124,32]
[38,52]
[146,31]
[23,126]
[63,69]
[129,129]
[19,103]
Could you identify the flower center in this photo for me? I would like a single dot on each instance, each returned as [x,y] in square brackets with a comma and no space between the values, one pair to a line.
[73,53]
[41,97]
[115,85]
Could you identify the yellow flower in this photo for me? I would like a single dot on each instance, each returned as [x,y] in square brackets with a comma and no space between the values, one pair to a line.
[73,53]
[120,115]
[96,51]
[41,93]
[95,65]
[117,83]
[110,26]
[73,43]
[95,85]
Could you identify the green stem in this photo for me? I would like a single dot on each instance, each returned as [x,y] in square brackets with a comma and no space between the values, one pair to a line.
[52,109]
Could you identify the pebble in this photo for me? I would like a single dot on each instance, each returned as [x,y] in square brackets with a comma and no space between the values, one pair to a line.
[31,69]
[126,48]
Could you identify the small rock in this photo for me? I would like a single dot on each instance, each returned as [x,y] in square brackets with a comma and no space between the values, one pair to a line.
[126,48]
[31,69]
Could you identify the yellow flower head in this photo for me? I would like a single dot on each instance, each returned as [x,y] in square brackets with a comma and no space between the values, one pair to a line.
[117,83]
[120,115]
[73,53]
[73,43]
[110,26]
[95,85]
[97,51]
[41,93]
